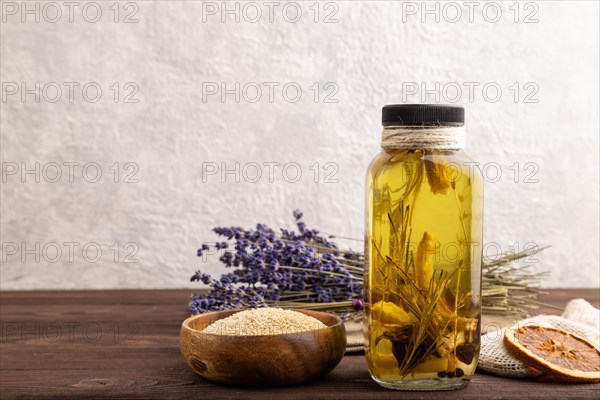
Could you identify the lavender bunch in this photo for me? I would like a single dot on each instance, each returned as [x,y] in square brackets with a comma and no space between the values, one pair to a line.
[291,269]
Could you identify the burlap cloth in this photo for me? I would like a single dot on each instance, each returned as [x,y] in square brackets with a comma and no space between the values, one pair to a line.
[579,318]
[354,337]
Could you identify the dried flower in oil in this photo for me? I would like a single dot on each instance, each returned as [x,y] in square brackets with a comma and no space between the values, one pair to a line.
[439,175]
[424,261]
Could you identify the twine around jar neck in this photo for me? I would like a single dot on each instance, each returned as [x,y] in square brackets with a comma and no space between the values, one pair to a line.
[423,137]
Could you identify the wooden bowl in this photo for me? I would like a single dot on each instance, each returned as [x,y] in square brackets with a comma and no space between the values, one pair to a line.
[265,360]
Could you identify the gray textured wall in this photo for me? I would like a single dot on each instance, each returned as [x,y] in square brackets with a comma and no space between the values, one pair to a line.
[368,54]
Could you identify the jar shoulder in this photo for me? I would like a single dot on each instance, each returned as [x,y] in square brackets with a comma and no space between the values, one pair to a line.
[390,159]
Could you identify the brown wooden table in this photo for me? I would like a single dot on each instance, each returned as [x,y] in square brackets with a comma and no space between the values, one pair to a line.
[124,344]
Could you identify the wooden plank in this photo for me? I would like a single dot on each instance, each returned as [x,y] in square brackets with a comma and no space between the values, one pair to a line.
[162,297]
[144,363]
[350,380]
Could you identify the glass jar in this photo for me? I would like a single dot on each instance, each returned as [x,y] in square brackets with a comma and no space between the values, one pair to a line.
[423,246]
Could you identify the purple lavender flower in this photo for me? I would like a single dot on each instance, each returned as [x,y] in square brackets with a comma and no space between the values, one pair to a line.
[202,249]
[357,304]
[270,269]
[297,215]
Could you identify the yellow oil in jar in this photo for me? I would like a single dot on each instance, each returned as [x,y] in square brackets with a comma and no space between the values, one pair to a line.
[423,268]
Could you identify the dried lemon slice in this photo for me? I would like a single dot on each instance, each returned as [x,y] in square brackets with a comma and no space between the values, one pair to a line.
[554,351]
